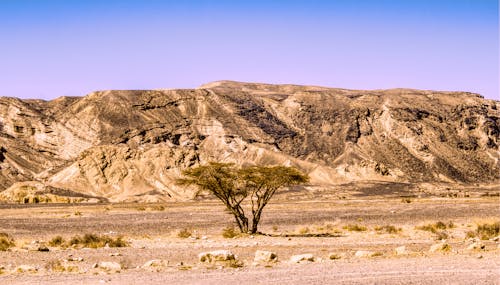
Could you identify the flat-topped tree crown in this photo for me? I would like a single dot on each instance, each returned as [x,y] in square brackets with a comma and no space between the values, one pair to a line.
[233,185]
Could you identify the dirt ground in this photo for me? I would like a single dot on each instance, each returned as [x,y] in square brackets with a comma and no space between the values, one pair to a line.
[153,233]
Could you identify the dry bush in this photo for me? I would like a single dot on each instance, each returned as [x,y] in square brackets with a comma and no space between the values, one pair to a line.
[158,208]
[57,241]
[184,233]
[95,241]
[230,232]
[441,235]
[354,228]
[390,229]
[6,242]
[434,228]
[57,266]
[303,230]
[486,231]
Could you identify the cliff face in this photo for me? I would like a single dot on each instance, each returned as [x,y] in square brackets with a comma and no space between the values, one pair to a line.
[132,145]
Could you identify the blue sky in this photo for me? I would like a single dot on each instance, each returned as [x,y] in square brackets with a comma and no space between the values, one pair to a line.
[58,48]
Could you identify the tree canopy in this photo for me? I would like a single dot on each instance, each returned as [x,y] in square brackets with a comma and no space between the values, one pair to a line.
[233,185]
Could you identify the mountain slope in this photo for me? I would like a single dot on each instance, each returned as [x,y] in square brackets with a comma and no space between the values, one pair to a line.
[132,145]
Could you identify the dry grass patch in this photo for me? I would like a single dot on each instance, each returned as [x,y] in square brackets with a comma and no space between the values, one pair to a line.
[230,232]
[434,228]
[96,241]
[6,242]
[389,229]
[184,233]
[485,231]
[355,228]
[57,241]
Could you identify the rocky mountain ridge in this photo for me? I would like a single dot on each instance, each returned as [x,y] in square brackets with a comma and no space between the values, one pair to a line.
[132,145]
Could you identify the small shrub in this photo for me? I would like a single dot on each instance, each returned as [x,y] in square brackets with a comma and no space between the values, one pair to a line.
[433,228]
[487,231]
[334,256]
[77,213]
[355,228]
[390,229]
[406,200]
[95,241]
[446,247]
[378,253]
[57,241]
[57,266]
[304,230]
[141,208]
[275,228]
[6,241]
[470,234]
[184,233]
[158,208]
[229,232]
[441,235]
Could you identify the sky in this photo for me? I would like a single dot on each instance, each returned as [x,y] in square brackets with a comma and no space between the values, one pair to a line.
[52,48]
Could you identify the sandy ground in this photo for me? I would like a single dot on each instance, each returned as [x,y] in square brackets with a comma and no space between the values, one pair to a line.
[152,231]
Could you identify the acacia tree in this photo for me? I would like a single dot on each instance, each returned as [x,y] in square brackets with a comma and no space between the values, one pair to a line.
[233,185]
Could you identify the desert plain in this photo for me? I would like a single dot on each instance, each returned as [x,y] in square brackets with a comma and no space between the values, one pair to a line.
[381,236]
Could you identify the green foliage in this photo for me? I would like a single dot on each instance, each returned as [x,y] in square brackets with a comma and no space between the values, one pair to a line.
[232,185]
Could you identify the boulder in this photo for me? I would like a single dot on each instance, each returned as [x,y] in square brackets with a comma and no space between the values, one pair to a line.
[443,247]
[155,265]
[25,268]
[110,266]
[263,256]
[401,250]
[307,257]
[364,253]
[476,246]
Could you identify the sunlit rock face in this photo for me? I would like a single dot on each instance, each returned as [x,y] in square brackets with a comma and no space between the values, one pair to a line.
[132,145]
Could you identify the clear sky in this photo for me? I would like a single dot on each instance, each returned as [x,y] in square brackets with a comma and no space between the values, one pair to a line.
[52,48]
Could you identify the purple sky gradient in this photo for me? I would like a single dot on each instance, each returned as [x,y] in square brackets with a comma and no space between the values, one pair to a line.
[58,48]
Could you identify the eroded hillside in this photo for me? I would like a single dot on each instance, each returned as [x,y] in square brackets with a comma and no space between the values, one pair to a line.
[132,145]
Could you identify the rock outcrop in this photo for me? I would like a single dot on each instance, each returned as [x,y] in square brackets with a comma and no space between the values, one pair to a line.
[132,145]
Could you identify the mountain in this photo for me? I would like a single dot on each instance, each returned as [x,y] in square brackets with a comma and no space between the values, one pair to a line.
[132,145]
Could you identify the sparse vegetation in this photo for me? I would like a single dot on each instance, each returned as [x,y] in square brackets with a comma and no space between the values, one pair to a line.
[184,233]
[334,256]
[354,228]
[6,241]
[389,229]
[434,228]
[486,231]
[158,208]
[439,228]
[57,266]
[95,241]
[303,230]
[57,241]
[229,232]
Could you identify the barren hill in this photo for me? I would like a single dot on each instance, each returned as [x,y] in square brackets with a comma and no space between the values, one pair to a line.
[131,145]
